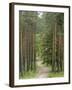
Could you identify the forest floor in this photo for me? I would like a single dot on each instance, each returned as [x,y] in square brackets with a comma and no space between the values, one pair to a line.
[42,70]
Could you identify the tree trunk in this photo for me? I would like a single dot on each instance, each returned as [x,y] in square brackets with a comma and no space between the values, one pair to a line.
[21,55]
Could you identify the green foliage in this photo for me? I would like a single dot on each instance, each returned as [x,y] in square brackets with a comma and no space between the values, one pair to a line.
[41,35]
[28,75]
[56,74]
[50,34]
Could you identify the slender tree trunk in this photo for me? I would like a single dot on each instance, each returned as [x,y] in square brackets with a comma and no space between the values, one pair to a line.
[59,47]
[25,50]
[53,53]
[21,55]
[55,46]
[34,51]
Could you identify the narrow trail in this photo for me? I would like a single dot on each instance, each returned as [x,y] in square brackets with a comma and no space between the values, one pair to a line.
[42,70]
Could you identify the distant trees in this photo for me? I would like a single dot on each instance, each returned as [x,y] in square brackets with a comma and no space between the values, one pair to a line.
[53,41]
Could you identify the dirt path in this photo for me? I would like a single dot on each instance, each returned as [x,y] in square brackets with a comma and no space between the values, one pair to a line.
[42,70]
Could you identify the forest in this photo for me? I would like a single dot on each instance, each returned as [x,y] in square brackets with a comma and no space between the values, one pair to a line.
[41,44]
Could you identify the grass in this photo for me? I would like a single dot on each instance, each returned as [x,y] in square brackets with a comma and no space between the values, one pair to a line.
[56,74]
[28,75]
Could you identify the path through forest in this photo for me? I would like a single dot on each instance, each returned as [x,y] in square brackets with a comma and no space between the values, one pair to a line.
[42,70]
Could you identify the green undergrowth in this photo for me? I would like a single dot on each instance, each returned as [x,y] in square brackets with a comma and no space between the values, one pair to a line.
[28,75]
[56,74]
